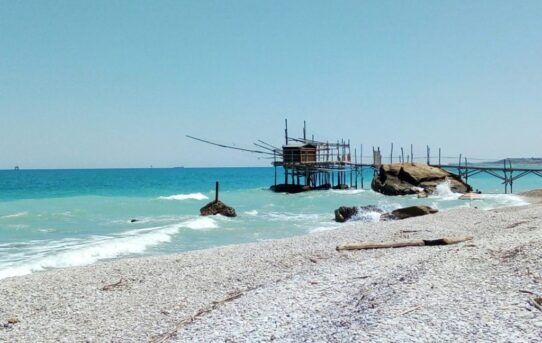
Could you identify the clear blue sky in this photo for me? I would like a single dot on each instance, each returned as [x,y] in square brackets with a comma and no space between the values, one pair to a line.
[119,83]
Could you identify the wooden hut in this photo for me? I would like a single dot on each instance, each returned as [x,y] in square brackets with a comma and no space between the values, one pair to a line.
[299,153]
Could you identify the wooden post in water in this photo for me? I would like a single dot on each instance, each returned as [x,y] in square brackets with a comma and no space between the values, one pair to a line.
[402,156]
[412,153]
[391,154]
[286,131]
[511,176]
[466,171]
[439,157]
[428,155]
[505,177]
[216,192]
[275,164]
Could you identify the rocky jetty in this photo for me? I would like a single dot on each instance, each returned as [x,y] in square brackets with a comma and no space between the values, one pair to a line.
[217,207]
[403,179]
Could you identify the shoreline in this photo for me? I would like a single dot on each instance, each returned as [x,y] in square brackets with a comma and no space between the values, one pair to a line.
[300,288]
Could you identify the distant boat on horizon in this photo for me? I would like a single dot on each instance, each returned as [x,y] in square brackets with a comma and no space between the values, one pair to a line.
[16,168]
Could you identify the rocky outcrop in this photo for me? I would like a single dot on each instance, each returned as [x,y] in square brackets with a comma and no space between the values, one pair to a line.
[409,212]
[345,213]
[217,207]
[403,179]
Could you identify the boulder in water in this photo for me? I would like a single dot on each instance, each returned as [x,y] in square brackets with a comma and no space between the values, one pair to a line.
[403,179]
[409,212]
[345,213]
[217,207]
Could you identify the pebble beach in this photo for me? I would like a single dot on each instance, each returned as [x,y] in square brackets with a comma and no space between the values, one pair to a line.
[302,289]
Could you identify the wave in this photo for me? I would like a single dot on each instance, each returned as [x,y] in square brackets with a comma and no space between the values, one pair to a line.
[72,252]
[15,215]
[252,213]
[191,196]
[348,191]
[203,223]
[444,191]
[493,201]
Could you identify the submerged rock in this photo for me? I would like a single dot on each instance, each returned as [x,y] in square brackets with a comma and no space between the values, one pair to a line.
[409,212]
[341,186]
[217,207]
[470,196]
[403,179]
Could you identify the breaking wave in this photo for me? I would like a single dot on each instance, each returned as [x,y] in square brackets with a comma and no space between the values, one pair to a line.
[70,252]
[191,196]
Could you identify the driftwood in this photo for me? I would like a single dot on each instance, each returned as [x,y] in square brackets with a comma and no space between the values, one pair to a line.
[403,243]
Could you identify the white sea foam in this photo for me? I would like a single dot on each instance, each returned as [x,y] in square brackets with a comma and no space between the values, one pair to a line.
[324,228]
[492,201]
[191,196]
[252,213]
[368,217]
[203,223]
[348,191]
[77,252]
[444,191]
[15,215]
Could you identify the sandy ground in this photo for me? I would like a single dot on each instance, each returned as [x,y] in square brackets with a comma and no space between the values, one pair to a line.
[302,290]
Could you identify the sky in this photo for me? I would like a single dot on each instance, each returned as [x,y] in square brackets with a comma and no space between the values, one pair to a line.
[106,84]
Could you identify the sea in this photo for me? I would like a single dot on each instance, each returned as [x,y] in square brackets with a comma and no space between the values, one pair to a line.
[66,218]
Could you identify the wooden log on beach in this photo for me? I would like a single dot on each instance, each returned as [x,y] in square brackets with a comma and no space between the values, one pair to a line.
[403,243]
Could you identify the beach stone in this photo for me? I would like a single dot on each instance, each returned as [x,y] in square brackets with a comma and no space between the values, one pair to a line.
[404,179]
[409,212]
[217,207]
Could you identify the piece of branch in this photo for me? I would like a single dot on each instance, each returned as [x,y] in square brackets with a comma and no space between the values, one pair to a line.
[536,303]
[411,310]
[113,285]
[214,305]
[403,243]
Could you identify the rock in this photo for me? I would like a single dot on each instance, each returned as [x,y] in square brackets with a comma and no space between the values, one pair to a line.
[422,194]
[217,207]
[408,212]
[133,220]
[341,186]
[284,188]
[344,213]
[470,196]
[403,179]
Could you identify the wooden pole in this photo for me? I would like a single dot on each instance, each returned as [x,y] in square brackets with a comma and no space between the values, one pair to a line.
[216,192]
[391,154]
[412,153]
[402,156]
[286,131]
[275,164]
[439,157]
[304,130]
[403,243]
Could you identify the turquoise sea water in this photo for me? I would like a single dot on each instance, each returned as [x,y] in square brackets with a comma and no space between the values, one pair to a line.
[62,218]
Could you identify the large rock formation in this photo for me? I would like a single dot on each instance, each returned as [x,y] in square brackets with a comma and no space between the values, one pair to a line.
[403,179]
[217,207]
